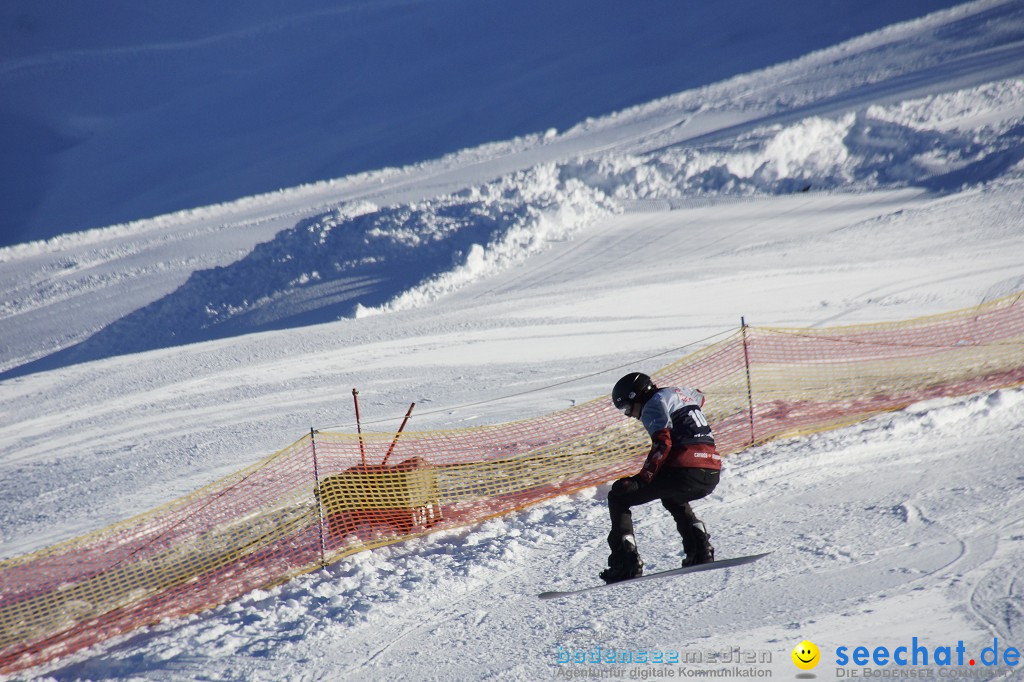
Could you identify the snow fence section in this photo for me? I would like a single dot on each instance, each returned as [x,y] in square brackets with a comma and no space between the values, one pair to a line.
[332,494]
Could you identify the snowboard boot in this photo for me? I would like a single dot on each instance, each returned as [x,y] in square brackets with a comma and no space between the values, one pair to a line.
[624,563]
[695,544]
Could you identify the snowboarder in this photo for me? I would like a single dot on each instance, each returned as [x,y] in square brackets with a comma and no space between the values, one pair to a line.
[682,466]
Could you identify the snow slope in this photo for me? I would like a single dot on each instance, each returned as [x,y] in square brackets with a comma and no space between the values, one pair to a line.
[144,360]
[115,111]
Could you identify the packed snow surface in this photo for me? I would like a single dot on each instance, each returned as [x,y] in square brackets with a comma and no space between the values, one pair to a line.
[826,183]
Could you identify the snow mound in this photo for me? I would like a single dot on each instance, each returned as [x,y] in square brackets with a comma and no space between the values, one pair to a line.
[360,259]
[940,143]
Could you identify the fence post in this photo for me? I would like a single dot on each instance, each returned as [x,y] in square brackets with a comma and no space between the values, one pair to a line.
[750,389]
[359,427]
[397,435]
[319,499]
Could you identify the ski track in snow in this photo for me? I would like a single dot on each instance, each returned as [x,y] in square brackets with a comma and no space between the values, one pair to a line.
[142,361]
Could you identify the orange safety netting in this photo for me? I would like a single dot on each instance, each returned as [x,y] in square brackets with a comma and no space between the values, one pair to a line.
[332,494]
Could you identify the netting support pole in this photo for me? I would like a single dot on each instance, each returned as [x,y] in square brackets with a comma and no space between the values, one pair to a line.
[397,435]
[319,499]
[750,388]
[359,427]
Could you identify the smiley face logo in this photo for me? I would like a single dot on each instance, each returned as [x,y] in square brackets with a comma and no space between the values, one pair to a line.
[806,655]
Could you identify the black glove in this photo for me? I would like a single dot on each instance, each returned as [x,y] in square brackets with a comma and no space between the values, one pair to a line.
[625,486]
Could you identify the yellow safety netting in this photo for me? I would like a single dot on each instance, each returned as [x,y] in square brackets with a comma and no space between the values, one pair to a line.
[329,495]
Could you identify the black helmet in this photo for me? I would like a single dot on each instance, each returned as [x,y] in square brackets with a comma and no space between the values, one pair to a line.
[635,387]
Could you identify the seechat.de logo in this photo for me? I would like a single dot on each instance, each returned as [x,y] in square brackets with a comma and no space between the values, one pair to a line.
[806,655]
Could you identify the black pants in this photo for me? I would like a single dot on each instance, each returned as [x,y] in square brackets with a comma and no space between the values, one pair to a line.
[676,488]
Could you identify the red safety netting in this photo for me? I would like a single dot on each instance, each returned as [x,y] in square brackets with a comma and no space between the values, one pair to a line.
[332,494]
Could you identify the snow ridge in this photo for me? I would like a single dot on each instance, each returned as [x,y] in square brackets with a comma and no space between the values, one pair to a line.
[939,142]
[359,259]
